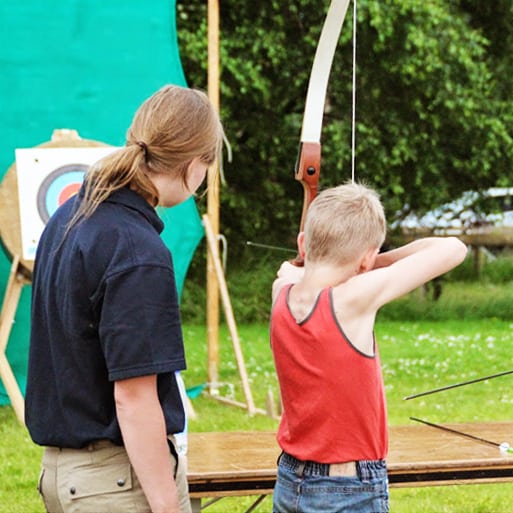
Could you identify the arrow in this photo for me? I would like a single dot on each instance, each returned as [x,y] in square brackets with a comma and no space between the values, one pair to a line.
[268,246]
[449,387]
[504,446]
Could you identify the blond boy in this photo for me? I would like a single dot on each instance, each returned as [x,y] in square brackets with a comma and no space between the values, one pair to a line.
[333,431]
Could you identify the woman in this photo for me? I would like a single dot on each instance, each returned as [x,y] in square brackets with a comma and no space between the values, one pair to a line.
[105,330]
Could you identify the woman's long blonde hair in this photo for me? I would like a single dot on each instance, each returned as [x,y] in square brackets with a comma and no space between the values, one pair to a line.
[168,131]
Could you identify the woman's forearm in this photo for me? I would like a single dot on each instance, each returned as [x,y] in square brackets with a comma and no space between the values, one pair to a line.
[143,427]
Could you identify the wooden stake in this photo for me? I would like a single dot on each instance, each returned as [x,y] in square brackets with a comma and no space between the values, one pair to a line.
[213,205]
[228,311]
[10,304]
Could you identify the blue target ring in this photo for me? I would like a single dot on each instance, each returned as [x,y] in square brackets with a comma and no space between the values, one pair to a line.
[60,185]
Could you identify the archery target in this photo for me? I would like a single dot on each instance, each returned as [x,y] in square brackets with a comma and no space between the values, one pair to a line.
[59,186]
[47,178]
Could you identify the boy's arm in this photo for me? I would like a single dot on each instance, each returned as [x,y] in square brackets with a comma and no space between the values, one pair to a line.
[402,270]
[389,257]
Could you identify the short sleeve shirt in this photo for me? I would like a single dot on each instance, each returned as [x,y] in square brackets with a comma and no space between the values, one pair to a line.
[104,308]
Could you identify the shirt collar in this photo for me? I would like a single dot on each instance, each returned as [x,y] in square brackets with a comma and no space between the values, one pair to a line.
[130,199]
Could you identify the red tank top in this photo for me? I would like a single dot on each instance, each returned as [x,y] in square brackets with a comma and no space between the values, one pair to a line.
[333,395]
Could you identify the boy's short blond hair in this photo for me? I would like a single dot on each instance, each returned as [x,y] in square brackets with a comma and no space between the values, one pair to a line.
[343,223]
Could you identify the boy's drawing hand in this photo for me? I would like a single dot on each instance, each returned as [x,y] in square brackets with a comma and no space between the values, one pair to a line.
[287,273]
[290,273]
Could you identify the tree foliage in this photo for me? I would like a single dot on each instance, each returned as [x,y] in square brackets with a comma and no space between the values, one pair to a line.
[432,114]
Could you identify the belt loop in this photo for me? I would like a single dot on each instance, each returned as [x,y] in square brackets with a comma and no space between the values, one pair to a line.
[300,468]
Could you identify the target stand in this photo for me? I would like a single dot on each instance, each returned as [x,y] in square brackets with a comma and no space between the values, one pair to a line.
[30,192]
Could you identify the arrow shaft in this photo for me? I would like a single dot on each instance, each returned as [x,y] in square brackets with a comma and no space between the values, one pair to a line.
[268,246]
[456,432]
[456,385]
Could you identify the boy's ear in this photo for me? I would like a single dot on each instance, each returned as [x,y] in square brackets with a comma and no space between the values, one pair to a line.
[301,244]
[368,260]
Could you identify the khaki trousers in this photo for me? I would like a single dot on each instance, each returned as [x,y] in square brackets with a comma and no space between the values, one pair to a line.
[99,479]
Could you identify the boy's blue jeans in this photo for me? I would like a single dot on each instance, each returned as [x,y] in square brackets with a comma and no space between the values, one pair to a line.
[306,487]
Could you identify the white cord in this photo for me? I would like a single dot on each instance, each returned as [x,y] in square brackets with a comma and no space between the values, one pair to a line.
[353,121]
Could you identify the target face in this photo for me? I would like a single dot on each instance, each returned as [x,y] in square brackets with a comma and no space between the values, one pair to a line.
[47,178]
[58,187]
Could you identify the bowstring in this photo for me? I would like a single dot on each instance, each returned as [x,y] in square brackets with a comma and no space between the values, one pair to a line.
[353,103]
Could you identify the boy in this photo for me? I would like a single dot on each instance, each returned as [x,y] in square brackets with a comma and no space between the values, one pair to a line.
[333,431]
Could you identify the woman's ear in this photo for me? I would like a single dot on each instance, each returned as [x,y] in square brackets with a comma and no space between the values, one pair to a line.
[191,164]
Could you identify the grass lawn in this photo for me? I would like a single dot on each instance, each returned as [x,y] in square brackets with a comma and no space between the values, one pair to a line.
[416,356]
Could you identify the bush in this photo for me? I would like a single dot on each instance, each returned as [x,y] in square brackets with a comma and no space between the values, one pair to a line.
[498,270]
[491,268]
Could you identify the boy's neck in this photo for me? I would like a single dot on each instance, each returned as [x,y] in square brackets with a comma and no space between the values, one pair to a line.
[320,276]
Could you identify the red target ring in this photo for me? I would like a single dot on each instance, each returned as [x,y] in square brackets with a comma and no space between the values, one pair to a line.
[68,192]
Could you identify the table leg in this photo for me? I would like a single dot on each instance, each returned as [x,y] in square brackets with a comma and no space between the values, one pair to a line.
[196,505]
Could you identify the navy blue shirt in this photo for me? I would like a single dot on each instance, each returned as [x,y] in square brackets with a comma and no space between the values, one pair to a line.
[104,308]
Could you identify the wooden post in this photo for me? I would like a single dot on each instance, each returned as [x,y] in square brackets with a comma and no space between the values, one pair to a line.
[10,304]
[228,311]
[213,206]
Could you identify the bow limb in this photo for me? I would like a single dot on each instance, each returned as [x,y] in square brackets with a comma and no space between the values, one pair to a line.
[308,165]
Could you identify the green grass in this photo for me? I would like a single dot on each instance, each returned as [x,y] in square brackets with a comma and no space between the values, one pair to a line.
[416,356]
[19,467]
[474,300]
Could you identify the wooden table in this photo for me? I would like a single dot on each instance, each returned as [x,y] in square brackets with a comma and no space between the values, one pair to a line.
[244,463]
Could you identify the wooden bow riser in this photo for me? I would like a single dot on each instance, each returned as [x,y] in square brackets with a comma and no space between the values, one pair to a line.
[307,173]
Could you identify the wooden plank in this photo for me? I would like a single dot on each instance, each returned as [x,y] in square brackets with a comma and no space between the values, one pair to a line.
[423,447]
[244,463]
[232,456]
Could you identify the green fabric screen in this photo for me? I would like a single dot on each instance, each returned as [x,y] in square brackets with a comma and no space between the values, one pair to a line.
[86,66]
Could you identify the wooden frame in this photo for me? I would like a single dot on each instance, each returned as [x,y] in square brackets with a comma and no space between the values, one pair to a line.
[15,284]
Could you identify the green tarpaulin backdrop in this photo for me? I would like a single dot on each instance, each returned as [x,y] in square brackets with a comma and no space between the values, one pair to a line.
[85,65]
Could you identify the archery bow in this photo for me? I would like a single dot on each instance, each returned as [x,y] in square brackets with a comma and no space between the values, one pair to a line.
[308,164]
